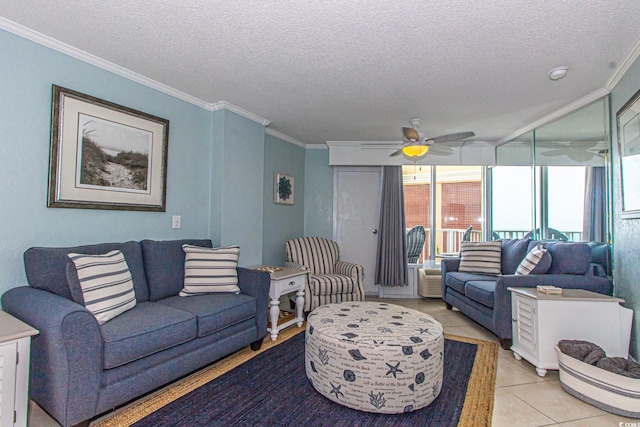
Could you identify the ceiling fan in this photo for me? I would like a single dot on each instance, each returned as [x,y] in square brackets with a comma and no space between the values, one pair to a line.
[416,145]
[578,151]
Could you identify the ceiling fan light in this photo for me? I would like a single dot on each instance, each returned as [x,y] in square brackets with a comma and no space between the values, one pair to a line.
[415,152]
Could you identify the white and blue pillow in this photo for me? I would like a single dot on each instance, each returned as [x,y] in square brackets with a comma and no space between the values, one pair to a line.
[210,270]
[481,257]
[537,261]
[104,282]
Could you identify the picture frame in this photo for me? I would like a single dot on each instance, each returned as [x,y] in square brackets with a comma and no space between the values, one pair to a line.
[283,189]
[628,125]
[105,156]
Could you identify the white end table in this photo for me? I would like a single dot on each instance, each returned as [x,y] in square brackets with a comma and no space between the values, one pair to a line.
[284,282]
[541,320]
[15,346]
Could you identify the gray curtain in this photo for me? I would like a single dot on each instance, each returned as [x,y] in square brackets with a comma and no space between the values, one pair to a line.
[391,260]
[594,221]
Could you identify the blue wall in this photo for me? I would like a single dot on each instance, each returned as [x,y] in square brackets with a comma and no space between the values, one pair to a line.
[318,202]
[626,245]
[282,222]
[216,164]
[25,107]
[242,174]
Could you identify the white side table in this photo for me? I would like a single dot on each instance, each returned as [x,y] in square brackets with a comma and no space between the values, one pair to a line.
[284,282]
[540,320]
[15,347]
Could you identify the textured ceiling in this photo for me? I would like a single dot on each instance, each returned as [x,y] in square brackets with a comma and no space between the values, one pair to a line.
[357,70]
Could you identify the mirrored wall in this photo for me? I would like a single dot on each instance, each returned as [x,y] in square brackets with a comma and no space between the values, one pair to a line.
[553,182]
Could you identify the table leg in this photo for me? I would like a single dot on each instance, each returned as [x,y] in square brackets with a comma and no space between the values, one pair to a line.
[274,311]
[299,307]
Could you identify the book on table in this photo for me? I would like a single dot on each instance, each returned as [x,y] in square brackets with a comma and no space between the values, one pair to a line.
[549,289]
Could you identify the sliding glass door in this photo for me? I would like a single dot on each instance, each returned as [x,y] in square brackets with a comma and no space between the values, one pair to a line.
[450,211]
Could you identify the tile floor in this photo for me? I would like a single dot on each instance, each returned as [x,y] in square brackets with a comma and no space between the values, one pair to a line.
[522,398]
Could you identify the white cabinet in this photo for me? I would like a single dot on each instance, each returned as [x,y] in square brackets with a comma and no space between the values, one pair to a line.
[15,345]
[540,320]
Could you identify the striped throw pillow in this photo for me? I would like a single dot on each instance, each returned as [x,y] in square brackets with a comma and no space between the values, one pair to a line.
[106,284]
[481,257]
[208,270]
[531,261]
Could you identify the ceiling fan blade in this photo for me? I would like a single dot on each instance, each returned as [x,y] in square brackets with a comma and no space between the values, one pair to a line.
[411,134]
[396,153]
[440,150]
[452,137]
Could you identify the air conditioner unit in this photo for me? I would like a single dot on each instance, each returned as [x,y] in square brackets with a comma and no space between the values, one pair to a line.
[430,282]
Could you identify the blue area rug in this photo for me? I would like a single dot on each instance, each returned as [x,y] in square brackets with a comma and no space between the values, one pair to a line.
[272,389]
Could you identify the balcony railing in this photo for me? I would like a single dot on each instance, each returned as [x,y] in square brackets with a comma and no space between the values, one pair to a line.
[448,240]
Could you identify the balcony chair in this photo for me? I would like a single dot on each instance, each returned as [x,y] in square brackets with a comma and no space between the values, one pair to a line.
[553,235]
[329,279]
[415,243]
[466,237]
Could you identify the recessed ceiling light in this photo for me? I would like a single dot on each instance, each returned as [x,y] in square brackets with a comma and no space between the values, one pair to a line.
[558,73]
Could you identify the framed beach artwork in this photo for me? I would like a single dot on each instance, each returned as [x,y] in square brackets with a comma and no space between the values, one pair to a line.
[283,189]
[105,156]
[628,118]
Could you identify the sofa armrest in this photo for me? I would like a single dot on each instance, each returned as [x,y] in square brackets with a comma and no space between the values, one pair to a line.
[448,265]
[295,266]
[502,296]
[66,357]
[256,283]
[351,269]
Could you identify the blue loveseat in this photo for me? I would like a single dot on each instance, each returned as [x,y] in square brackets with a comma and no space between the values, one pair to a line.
[80,369]
[485,298]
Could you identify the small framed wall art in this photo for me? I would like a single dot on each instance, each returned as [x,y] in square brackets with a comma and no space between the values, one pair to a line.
[105,156]
[283,189]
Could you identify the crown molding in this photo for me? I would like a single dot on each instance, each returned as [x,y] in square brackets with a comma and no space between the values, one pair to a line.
[83,56]
[593,96]
[374,144]
[623,67]
[220,105]
[316,147]
[286,138]
[57,45]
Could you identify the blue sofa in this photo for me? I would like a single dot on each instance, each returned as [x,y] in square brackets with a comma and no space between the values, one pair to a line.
[485,298]
[80,369]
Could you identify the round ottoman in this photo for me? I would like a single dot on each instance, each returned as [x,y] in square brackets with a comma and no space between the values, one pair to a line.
[374,357]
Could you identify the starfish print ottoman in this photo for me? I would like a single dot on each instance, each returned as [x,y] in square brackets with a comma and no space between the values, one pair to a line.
[374,357]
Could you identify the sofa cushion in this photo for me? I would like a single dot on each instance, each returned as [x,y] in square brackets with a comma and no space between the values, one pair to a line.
[567,257]
[457,280]
[164,265]
[513,251]
[480,257]
[210,270]
[215,312]
[146,329]
[537,261]
[481,291]
[46,268]
[101,283]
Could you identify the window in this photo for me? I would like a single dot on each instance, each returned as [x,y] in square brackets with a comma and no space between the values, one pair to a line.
[456,212]
[559,196]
